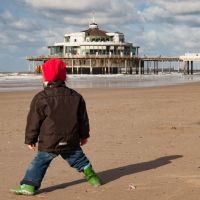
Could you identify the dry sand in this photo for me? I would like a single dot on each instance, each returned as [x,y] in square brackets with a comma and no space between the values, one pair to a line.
[148,138]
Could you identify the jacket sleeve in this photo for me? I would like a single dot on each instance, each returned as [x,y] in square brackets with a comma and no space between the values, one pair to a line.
[84,127]
[34,121]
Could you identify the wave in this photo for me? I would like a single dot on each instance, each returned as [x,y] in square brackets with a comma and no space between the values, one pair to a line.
[27,81]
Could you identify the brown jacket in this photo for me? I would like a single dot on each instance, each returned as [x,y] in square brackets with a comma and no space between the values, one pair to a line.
[57,119]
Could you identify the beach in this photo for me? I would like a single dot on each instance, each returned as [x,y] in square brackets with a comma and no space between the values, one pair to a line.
[144,145]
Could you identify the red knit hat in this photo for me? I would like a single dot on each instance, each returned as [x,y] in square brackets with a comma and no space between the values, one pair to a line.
[54,70]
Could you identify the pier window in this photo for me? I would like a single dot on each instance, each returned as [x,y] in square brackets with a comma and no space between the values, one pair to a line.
[111,38]
[71,50]
[67,39]
[127,50]
[121,38]
[56,50]
[134,50]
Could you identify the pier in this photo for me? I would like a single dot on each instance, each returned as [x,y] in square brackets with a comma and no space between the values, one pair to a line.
[95,51]
[117,64]
[91,64]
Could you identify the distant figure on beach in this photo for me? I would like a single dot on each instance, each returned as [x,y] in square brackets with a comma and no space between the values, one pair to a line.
[59,123]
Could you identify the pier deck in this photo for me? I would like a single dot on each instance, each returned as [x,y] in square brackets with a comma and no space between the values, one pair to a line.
[107,64]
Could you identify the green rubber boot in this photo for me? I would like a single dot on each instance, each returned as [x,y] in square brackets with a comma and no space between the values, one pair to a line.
[91,177]
[23,190]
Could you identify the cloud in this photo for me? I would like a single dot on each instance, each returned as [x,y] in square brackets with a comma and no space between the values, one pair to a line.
[174,41]
[80,5]
[179,7]
[66,5]
[42,51]
[13,22]
[4,39]
[81,11]
[173,12]
[6,16]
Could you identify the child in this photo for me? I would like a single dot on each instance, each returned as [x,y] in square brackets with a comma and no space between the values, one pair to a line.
[58,121]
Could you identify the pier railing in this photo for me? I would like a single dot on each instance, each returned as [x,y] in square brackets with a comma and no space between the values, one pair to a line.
[160,58]
[43,58]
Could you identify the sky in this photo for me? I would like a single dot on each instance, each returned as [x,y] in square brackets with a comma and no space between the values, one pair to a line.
[159,27]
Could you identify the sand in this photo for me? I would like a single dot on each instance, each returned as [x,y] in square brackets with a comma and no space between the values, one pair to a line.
[144,145]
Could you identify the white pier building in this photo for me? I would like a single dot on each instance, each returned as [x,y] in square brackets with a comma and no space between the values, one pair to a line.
[93,42]
[93,51]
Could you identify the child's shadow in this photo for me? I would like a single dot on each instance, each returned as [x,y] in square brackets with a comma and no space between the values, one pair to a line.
[114,174]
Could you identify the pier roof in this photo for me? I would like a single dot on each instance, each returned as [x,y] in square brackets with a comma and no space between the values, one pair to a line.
[95,32]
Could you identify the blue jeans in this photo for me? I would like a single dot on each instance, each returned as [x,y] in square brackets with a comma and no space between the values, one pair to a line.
[38,166]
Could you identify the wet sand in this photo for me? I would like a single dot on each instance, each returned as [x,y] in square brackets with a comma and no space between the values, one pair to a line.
[144,145]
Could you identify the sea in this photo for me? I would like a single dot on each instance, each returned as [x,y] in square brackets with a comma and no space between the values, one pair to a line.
[10,82]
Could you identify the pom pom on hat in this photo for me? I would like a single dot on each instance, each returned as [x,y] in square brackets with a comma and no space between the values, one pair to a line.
[54,70]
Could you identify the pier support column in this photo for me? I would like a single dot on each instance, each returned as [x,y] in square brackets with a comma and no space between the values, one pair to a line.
[72,66]
[148,66]
[170,66]
[109,65]
[139,70]
[142,67]
[155,67]
[131,70]
[91,66]
[162,66]
[191,67]
[184,67]
[178,66]
[125,66]
[188,67]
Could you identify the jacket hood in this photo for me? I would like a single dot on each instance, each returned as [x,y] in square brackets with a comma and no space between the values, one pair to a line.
[54,70]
